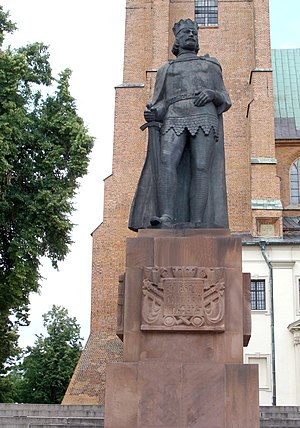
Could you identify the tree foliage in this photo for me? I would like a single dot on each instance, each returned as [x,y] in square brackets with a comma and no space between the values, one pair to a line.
[47,367]
[44,148]
[10,387]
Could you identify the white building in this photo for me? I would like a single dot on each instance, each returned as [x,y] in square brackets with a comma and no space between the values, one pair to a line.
[274,263]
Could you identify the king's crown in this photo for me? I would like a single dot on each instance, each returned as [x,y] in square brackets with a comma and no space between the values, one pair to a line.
[184,23]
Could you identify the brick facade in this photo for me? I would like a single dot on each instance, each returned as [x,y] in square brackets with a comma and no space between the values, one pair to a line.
[242,45]
[286,153]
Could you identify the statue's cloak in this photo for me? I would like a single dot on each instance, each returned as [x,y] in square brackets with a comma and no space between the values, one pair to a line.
[145,202]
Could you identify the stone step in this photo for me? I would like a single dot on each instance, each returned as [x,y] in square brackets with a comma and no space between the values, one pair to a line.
[50,415]
[279,409]
[57,416]
[59,426]
[94,407]
[280,423]
[49,425]
[49,410]
[279,416]
[69,413]
[282,415]
[31,421]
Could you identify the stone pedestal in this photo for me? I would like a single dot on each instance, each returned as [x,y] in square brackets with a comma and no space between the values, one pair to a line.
[184,315]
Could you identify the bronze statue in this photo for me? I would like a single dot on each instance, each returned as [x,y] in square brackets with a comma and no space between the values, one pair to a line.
[183,179]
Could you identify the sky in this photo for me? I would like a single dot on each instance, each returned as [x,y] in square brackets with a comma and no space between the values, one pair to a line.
[88,38]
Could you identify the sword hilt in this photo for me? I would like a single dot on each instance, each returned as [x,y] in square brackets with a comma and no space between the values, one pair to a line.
[154,124]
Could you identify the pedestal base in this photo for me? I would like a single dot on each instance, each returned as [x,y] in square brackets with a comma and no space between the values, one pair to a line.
[184,318]
[173,395]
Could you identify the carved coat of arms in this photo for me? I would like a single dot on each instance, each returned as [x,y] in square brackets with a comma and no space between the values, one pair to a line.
[183,298]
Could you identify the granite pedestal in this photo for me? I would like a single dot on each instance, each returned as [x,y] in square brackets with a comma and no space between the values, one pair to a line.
[184,316]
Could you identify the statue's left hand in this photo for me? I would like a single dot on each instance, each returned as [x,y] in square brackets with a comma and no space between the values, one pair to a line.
[206,96]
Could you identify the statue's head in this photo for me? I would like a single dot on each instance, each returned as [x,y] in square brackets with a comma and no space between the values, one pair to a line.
[186,36]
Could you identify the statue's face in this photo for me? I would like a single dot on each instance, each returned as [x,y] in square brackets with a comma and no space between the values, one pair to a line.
[187,39]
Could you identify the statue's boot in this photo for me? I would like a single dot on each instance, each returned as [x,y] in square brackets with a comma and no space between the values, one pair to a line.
[164,221]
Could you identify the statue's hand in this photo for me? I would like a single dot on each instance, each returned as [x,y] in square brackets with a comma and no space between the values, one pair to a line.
[204,97]
[150,114]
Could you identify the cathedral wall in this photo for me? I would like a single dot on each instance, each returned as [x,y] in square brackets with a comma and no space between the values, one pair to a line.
[148,42]
[286,153]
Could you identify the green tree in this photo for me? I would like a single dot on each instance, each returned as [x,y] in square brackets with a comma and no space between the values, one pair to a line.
[44,148]
[47,367]
[11,386]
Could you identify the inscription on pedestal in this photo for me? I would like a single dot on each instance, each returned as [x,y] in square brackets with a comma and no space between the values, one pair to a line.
[183,298]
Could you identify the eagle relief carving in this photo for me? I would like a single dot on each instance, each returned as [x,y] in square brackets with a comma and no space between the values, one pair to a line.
[183,298]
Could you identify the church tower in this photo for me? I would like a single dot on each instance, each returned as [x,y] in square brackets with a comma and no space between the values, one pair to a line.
[236,32]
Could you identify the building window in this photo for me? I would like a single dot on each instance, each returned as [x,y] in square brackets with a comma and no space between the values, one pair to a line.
[295,182]
[206,12]
[258,295]
[263,363]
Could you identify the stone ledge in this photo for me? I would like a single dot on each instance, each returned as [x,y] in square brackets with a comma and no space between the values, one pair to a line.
[130,85]
[260,161]
[266,204]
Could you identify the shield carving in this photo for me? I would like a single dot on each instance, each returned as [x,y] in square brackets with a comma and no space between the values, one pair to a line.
[183,298]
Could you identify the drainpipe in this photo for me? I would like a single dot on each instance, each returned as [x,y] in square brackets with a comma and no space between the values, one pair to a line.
[262,245]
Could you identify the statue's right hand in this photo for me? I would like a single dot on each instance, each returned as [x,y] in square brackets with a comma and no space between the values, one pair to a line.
[150,114]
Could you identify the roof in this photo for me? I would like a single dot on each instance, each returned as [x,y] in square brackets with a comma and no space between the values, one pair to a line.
[286,77]
[291,224]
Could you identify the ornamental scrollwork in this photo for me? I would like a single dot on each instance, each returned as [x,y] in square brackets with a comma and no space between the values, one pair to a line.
[183,298]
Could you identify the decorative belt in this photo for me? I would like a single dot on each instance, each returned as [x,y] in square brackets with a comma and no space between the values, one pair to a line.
[182,97]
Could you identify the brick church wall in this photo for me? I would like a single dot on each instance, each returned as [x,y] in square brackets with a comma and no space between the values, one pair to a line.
[241,43]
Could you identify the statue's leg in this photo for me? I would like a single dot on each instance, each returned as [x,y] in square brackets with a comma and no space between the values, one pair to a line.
[172,147]
[202,152]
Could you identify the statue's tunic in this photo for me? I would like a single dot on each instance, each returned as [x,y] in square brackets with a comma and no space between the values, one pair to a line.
[181,88]
[176,89]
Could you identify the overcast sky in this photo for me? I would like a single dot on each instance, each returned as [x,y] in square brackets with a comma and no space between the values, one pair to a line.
[87,37]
